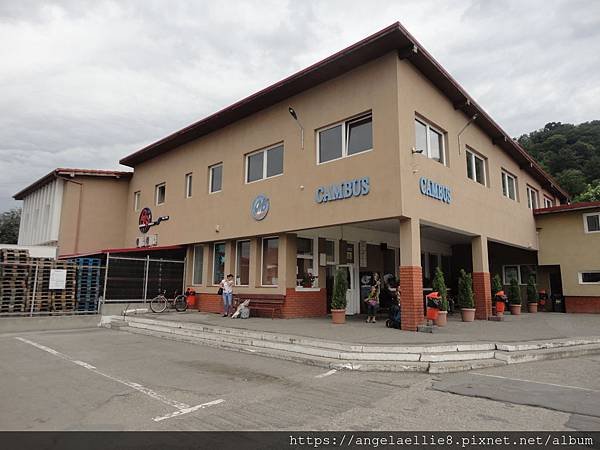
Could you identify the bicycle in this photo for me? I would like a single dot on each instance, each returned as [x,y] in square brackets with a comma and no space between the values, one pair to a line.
[160,303]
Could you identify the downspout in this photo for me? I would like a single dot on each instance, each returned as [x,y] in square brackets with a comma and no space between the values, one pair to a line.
[471,120]
[76,248]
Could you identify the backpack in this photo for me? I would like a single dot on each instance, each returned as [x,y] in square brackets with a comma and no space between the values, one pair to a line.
[244,312]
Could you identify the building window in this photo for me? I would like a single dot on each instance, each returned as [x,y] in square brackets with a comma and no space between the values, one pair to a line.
[270,261]
[429,141]
[215,178]
[265,163]
[532,198]
[218,262]
[198,264]
[330,253]
[188,185]
[591,277]
[137,200]
[526,271]
[305,265]
[521,273]
[242,263]
[345,139]
[548,203]
[509,186]
[510,273]
[161,193]
[476,168]
[591,223]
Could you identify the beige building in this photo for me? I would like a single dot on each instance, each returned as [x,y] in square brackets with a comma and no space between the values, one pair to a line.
[372,160]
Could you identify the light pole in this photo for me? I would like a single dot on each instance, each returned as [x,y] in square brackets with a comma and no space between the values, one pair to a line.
[295,117]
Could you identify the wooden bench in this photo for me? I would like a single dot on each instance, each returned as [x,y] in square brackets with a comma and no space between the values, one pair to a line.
[258,302]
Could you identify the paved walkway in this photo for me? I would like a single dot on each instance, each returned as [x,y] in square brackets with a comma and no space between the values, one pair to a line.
[526,327]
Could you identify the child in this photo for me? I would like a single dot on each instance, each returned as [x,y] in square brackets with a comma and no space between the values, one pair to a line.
[372,305]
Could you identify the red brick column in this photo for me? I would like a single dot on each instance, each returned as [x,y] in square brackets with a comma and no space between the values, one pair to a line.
[483,295]
[411,285]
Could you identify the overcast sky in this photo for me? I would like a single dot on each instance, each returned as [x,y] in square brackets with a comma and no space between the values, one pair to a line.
[84,83]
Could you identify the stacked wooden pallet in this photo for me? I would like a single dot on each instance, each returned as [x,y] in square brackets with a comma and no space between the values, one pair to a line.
[45,299]
[88,283]
[14,273]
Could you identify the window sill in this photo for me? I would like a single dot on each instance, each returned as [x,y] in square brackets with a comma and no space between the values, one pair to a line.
[306,289]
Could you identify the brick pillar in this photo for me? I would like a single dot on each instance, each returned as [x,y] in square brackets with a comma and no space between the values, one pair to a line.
[481,278]
[411,285]
[483,295]
[411,278]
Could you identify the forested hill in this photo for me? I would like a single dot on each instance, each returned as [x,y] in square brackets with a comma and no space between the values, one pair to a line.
[571,154]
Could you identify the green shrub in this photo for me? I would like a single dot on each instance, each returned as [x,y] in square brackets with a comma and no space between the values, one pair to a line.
[532,295]
[439,285]
[465,290]
[514,292]
[340,287]
[496,285]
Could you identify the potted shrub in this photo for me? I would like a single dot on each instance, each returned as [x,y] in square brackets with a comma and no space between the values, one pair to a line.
[514,297]
[338,298]
[532,295]
[465,296]
[498,294]
[439,285]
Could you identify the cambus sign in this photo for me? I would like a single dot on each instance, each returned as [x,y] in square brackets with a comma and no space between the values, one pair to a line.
[435,190]
[343,190]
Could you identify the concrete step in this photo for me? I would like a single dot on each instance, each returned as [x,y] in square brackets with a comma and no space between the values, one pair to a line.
[547,353]
[551,343]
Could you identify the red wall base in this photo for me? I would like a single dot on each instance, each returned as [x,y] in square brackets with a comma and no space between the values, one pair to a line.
[590,305]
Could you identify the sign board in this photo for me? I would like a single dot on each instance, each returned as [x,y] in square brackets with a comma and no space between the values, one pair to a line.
[343,190]
[58,279]
[435,190]
[260,207]
[150,240]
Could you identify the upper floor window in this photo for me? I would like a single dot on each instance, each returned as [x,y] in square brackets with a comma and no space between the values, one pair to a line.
[264,163]
[509,185]
[161,193]
[188,185]
[137,200]
[548,203]
[215,178]
[429,141]
[476,168]
[591,222]
[345,139]
[532,198]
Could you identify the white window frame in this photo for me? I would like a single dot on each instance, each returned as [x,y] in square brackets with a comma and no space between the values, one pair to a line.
[264,172]
[507,175]
[344,123]
[336,252]
[262,257]
[548,200]
[194,265]
[314,257]
[237,257]
[507,282]
[137,197]
[189,185]
[428,127]
[472,155]
[580,277]
[210,177]
[156,188]
[212,274]
[585,223]
[533,194]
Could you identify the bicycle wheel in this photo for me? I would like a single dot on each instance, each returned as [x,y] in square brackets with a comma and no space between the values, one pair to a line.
[180,303]
[158,304]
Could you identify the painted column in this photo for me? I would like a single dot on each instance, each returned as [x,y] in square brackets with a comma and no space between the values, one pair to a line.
[481,278]
[411,276]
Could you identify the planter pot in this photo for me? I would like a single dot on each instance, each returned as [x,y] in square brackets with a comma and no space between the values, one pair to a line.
[468,314]
[532,307]
[500,308]
[442,318]
[338,316]
[515,310]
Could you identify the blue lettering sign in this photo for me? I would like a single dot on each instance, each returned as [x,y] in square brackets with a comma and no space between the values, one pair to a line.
[343,190]
[435,190]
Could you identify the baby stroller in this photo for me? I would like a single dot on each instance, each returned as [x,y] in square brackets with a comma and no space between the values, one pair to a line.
[394,317]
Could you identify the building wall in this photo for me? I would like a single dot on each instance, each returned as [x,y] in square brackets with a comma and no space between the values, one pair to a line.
[564,242]
[41,215]
[93,215]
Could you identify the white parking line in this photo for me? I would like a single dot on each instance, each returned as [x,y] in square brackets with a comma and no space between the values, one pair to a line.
[326,374]
[535,382]
[182,408]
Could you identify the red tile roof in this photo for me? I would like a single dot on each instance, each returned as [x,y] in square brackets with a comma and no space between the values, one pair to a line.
[566,208]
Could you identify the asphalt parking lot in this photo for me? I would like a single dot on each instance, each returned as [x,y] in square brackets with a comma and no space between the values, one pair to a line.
[100,379]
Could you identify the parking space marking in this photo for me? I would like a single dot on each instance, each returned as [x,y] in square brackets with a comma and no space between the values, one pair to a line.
[326,374]
[182,408]
[535,382]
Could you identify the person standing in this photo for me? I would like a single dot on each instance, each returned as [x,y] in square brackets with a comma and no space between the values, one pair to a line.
[373,299]
[227,286]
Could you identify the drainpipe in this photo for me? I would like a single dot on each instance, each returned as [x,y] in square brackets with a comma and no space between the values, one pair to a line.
[471,120]
[76,248]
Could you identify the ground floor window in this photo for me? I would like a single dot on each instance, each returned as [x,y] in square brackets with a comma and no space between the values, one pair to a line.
[242,263]
[270,261]
[591,277]
[519,272]
[306,275]
[219,262]
[198,264]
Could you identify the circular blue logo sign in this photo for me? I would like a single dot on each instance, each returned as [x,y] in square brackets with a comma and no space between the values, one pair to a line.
[260,207]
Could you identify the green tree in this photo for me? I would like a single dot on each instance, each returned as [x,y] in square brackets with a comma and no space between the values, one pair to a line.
[591,194]
[514,292]
[340,287]
[496,284]
[9,226]
[532,295]
[465,290]
[572,180]
[439,285]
